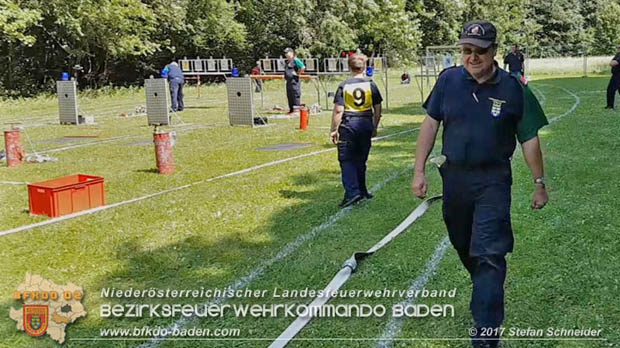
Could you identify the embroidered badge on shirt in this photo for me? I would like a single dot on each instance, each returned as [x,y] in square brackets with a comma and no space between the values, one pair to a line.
[496,109]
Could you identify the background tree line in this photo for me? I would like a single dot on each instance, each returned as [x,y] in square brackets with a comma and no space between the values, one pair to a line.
[120,42]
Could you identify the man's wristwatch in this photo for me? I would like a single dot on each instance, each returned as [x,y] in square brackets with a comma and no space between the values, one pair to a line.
[540,181]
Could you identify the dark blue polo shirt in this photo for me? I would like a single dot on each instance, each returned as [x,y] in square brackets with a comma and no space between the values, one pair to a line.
[514,61]
[615,70]
[479,121]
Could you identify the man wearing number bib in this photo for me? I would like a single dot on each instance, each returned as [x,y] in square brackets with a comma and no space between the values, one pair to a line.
[356,114]
[484,111]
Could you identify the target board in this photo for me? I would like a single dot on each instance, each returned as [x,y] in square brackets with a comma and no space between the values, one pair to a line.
[240,101]
[67,102]
[157,102]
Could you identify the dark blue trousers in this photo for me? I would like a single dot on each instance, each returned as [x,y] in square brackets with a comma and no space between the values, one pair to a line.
[612,87]
[293,95]
[353,149]
[476,210]
[176,94]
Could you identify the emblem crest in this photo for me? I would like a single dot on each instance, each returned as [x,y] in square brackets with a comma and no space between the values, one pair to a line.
[36,318]
[496,108]
[475,30]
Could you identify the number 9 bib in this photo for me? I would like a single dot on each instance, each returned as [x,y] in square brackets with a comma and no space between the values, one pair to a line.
[357,97]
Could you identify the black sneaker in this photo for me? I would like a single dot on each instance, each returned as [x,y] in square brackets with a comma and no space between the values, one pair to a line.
[367,196]
[486,344]
[348,202]
[609,107]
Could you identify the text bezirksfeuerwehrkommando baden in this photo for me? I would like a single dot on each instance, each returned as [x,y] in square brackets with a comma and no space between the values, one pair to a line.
[167,310]
[275,293]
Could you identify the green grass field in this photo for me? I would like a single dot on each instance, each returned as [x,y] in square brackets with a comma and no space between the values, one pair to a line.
[279,226]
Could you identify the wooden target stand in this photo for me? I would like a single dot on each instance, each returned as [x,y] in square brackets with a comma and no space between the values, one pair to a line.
[193,69]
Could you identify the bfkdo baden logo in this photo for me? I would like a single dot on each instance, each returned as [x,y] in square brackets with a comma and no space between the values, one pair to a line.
[48,307]
[35,319]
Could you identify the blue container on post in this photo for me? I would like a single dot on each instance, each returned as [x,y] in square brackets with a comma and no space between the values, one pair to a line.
[64,76]
[369,71]
[235,72]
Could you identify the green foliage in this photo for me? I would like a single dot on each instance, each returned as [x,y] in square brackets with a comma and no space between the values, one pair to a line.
[211,27]
[390,29]
[120,42]
[16,21]
[606,29]
[562,27]
[440,20]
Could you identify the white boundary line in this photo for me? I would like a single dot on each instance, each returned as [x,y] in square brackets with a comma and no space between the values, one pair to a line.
[123,137]
[345,273]
[541,95]
[394,326]
[590,91]
[575,105]
[138,199]
[287,250]
[14,183]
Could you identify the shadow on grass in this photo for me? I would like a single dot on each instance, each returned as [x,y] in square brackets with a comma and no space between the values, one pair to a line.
[204,261]
[148,171]
[200,107]
[409,109]
[203,258]
[318,189]
[195,262]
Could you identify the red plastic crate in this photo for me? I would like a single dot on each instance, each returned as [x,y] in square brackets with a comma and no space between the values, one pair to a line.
[66,195]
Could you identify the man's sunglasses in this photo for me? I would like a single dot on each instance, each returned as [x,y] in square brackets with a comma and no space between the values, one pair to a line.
[479,51]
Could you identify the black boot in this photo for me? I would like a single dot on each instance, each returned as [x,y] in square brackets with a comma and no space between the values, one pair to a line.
[350,201]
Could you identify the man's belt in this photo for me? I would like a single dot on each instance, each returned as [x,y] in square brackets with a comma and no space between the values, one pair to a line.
[358,116]
[478,166]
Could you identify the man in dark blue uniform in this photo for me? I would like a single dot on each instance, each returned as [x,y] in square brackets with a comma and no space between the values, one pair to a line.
[514,60]
[356,114]
[176,81]
[614,82]
[294,68]
[483,109]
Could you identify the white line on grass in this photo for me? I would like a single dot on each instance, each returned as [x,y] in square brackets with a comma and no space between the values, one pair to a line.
[543,99]
[138,199]
[113,139]
[592,91]
[13,183]
[395,325]
[287,250]
[570,111]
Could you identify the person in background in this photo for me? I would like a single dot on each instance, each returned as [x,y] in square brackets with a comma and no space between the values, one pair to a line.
[176,81]
[405,79]
[356,115]
[294,68]
[614,81]
[257,70]
[514,60]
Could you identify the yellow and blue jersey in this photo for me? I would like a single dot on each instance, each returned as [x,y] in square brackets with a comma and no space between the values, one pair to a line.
[358,96]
